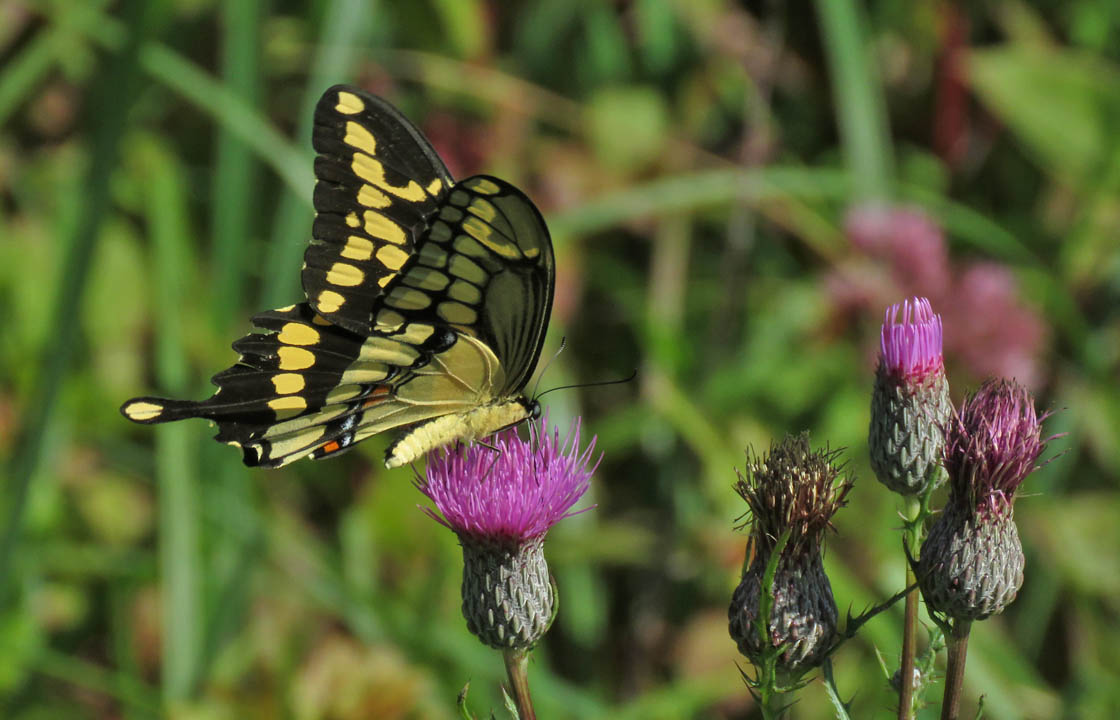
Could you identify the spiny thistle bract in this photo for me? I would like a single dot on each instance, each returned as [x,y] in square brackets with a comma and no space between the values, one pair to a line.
[791,487]
[501,501]
[971,564]
[910,402]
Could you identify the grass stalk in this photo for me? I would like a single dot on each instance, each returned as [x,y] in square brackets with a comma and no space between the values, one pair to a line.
[176,474]
[860,107]
[343,25]
[117,87]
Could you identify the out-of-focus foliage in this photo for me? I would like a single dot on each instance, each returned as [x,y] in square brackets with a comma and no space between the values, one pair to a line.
[695,161]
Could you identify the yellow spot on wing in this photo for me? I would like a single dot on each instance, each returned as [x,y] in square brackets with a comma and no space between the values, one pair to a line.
[468,270]
[370,196]
[330,301]
[454,312]
[407,298]
[484,187]
[379,226]
[391,257]
[485,234]
[288,402]
[357,248]
[143,411]
[343,393]
[426,278]
[434,187]
[373,172]
[345,274]
[358,137]
[465,292]
[388,351]
[352,220]
[389,320]
[416,333]
[294,358]
[288,383]
[349,104]
[297,334]
[483,209]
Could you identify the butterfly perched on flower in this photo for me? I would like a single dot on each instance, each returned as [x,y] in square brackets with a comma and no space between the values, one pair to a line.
[427,306]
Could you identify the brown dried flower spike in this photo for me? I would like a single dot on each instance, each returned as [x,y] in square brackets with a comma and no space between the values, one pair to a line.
[790,488]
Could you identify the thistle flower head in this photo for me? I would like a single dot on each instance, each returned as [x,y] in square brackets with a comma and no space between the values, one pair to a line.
[513,491]
[972,562]
[910,402]
[992,444]
[501,501]
[910,340]
[792,486]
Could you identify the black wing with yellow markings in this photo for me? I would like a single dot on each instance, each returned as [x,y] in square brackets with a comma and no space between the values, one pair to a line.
[378,180]
[426,300]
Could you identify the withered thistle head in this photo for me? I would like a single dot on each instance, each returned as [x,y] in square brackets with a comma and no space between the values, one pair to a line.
[790,488]
[971,565]
[910,401]
[501,501]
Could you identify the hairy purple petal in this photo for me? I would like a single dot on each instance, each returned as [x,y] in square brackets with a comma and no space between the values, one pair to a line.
[911,339]
[515,494]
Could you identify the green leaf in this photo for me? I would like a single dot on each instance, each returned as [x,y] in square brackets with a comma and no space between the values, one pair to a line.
[1062,105]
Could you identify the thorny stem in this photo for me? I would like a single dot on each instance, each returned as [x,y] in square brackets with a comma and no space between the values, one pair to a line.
[954,673]
[516,663]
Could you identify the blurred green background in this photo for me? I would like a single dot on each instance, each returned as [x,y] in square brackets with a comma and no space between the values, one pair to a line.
[736,191]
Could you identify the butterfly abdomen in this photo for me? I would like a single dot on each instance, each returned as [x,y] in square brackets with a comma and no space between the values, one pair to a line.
[466,426]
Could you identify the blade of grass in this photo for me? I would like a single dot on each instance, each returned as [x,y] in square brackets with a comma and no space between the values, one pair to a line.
[860,108]
[233,199]
[290,162]
[234,165]
[118,87]
[83,674]
[343,25]
[175,457]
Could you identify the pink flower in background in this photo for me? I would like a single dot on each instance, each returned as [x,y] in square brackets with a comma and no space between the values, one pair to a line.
[987,326]
[990,329]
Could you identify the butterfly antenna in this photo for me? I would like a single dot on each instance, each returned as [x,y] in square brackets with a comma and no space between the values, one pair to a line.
[547,365]
[622,381]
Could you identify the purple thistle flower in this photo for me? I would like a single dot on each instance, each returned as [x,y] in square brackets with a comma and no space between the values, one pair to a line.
[501,501]
[910,340]
[992,445]
[513,495]
[910,401]
[971,565]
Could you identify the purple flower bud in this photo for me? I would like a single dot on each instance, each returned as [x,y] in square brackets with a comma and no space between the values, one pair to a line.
[501,501]
[971,565]
[910,401]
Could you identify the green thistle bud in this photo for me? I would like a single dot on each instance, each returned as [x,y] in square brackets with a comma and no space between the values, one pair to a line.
[790,488]
[910,402]
[971,565]
[508,598]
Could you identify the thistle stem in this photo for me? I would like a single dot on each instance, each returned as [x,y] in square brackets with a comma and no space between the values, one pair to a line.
[912,536]
[516,663]
[954,673]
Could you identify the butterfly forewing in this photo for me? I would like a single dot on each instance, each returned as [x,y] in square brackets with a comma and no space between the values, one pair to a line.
[377,182]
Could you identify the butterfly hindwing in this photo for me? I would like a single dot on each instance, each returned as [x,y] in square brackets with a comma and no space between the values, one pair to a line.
[427,306]
[377,181]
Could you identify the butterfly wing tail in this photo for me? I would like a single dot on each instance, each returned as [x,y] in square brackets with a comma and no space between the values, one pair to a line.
[153,410]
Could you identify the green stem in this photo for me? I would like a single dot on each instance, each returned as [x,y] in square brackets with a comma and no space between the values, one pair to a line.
[516,663]
[954,673]
[912,537]
[838,705]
